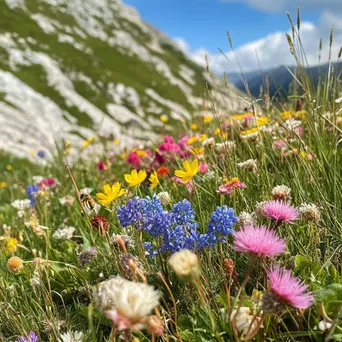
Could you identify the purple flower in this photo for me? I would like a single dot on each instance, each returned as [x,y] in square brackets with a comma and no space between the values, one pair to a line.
[31,191]
[288,289]
[32,337]
[280,211]
[41,154]
[258,241]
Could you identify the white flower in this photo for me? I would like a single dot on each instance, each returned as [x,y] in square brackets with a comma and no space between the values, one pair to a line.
[291,124]
[21,205]
[72,336]
[225,146]
[209,175]
[250,165]
[86,191]
[324,326]
[37,179]
[126,303]
[208,142]
[243,319]
[64,233]
[35,282]
[249,136]
[281,193]
[246,219]
[309,212]
[67,200]
[164,197]
[185,264]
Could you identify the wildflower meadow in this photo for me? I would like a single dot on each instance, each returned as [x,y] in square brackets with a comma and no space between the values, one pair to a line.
[226,228]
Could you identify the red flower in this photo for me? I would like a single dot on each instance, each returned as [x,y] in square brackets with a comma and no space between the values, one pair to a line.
[163,171]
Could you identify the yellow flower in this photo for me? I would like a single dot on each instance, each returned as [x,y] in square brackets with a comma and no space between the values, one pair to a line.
[135,178]
[116,142]
[110,194]
[14,264]
[262,121]
[192,140]
[154,180]
[141,153]
[123,156]
[203,137]
[207,119]
[67,148]
[197,150]
[286,115]
[194,127]
[11,245]
[88,142]
[300,114]
[239,117]
[250,131]
[3,184]
[9,167]
[190,171]
[163,118]
[218,131]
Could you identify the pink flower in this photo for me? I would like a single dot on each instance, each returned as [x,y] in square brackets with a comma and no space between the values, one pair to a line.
[288,289]
[134,159]
[280,211]
[259,241]
[122,322]
[203,168]
[101,165]
[169,145]
[47,182]
[228,188]
[278,144]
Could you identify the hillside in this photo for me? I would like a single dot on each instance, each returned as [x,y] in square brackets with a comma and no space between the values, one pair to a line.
[74,69]
[280,79]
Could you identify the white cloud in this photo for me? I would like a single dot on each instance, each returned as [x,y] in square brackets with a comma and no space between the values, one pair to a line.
[288,5]
[273,50]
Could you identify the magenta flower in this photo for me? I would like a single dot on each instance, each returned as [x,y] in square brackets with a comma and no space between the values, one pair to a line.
[280,211]
[259,241]
[169,145]
[288,289]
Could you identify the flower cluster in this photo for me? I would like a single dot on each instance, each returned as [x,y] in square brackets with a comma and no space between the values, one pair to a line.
[177,228]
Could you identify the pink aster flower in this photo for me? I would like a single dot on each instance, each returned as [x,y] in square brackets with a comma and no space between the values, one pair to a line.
[280,211]
[287,289]
[259,241]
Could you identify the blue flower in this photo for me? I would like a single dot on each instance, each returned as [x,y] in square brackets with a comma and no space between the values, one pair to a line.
[41,154]
[131,213]
[31,191]
[183,213]
[221,223]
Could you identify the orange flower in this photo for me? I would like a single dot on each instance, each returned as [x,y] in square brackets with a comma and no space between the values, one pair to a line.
[163,171]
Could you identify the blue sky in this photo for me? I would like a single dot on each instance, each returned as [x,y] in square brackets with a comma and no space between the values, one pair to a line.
[203,23]
[257,28]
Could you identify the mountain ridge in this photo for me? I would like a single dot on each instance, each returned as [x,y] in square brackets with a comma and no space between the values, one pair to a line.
[72,69]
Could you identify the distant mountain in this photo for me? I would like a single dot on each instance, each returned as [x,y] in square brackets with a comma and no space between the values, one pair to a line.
[72,68]
[280,79]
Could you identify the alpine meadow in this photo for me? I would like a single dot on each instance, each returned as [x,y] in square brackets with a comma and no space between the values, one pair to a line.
[145,198]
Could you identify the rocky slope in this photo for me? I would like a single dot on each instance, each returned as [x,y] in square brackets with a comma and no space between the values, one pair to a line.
[71,69]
